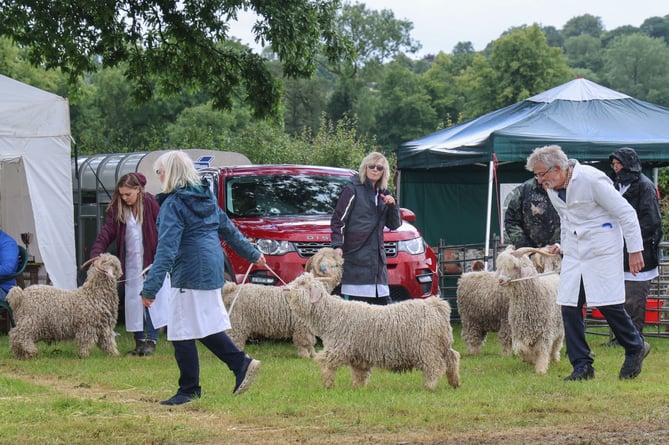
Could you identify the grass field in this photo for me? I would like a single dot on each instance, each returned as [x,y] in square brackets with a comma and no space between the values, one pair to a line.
[59,398]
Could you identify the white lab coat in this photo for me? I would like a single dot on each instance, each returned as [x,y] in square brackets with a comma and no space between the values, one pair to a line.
[593,222]
[134,259]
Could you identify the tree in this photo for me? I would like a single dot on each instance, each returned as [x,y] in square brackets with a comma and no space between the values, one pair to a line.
[521,64]
[583,24]
[172,46]
[657,27]
[638,65]
[584,51]
[406,111]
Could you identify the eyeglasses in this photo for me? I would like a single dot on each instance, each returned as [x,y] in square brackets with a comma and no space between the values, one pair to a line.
[378,168]
[541,175]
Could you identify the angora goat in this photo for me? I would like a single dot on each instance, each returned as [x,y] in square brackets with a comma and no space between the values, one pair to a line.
[414,334]
[484,308]
[86,315]
[263,311]
[534,315]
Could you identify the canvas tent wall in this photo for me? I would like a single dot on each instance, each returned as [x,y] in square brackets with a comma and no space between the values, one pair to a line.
[35,180]
[449,178]
[94,179]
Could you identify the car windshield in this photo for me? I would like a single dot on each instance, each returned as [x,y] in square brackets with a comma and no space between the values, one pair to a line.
[275,195]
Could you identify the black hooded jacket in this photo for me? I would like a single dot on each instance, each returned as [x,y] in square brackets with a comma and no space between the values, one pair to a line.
[642,195]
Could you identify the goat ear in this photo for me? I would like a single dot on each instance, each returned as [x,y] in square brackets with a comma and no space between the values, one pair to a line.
[527,271]
[315,294]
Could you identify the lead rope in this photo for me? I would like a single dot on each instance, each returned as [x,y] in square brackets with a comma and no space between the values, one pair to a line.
[239,287]
[545,274]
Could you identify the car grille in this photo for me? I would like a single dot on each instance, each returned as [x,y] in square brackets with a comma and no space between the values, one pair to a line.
[307,250]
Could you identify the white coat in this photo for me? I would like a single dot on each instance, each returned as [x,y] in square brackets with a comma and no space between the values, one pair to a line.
[593,221]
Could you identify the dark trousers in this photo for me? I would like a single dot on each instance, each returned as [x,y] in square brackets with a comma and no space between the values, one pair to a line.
[185,353]
[379,301]
[149,332]
[619,321]
[636,293]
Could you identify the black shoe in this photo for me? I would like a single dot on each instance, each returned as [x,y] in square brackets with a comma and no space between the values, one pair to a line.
[632,366]
[149,348]
[139,348]
[180,399]
[245,377]
[585,372]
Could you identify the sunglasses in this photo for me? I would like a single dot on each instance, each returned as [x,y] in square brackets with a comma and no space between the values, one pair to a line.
[378,168]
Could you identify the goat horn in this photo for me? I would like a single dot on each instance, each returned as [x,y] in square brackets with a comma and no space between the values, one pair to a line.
[523,250]
[88,262]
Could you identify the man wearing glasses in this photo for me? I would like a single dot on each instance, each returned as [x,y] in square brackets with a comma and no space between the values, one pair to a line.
[594,218]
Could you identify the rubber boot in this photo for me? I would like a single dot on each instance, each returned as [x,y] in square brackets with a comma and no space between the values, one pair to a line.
[149,347]
[139,348]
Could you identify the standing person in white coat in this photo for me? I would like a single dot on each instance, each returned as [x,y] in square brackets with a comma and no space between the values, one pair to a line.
[190,223]
[594,218]
[131,223]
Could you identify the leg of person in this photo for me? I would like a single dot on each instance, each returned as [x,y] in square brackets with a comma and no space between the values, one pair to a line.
[380,301]
[368,300]
[636,349]
[636,293]
[140,343]
[244,367]
[185,353]
[151,334]
[578,350]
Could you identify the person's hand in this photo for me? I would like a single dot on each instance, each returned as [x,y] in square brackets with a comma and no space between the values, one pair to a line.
[388,199]
[636,262]
[339,251]
[555,248]
[147,302]
[261,261]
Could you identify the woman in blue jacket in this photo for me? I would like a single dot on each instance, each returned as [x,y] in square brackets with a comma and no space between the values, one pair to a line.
[190,223]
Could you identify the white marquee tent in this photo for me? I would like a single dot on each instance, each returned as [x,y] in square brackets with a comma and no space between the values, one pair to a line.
[36,176]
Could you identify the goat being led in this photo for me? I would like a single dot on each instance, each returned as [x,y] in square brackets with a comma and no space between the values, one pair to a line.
[86,315]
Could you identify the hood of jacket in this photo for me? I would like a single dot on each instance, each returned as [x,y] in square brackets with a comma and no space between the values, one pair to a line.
[631,170]
[197,198]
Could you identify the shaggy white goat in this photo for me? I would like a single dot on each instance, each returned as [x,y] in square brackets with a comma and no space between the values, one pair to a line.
[413,334]
[86,315]
[534,315]
[483,308]
[262,311]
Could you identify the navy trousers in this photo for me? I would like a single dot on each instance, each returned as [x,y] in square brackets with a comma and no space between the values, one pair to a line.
[619,321]
[185,353]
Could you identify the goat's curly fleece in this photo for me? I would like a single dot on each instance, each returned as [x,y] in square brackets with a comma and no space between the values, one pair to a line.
[86,315]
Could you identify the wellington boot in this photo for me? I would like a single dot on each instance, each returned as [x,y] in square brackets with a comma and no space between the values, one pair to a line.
[149,347]
[139,347]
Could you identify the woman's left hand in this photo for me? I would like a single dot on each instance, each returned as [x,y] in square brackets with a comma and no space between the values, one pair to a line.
[388,199]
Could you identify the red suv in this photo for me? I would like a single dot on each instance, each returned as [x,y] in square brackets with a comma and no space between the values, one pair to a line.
[285,212]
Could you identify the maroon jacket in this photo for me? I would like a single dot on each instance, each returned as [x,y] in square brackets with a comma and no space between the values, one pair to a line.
[113,230]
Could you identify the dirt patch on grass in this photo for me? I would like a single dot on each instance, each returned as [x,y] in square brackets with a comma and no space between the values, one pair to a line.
[220,432]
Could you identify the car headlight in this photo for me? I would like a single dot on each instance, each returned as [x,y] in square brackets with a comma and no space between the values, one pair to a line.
[413,246]
[274,247]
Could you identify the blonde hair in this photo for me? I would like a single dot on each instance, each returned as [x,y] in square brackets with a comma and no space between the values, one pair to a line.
[123,210]
[372,159]
[178,169]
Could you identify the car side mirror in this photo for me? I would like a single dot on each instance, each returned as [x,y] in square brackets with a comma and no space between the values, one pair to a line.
[407,215]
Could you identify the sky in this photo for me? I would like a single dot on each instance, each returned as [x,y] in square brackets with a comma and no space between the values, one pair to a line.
[440,24]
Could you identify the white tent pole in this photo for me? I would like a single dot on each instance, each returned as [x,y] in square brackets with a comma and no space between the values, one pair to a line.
[489,212]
